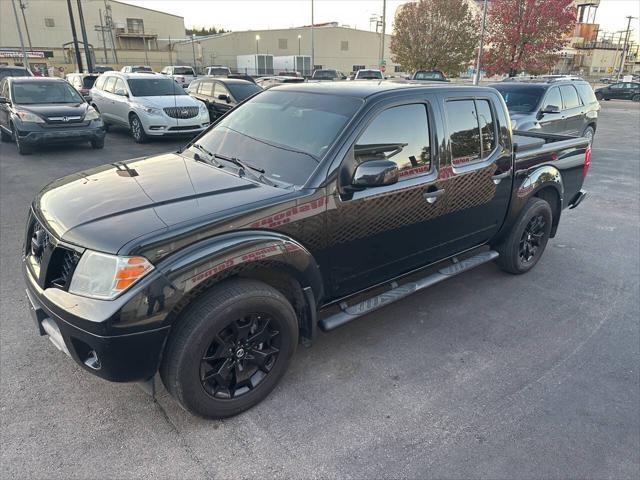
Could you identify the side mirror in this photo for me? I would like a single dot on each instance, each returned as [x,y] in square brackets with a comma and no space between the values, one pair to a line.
[122,92]
[550,109]
[375,173]
[87,98]
[224,97]
[4,100]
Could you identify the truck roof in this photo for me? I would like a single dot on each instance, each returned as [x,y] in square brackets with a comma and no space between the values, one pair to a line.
[364,89]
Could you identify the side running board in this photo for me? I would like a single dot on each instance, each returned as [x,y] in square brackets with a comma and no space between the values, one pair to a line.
[369,305]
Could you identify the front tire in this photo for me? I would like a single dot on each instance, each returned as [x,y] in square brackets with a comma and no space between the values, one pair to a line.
[636,97]
[526,241]
[22,148]
[229,348]
[137,130]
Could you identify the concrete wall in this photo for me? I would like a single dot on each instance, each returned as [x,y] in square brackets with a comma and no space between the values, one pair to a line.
[361,47]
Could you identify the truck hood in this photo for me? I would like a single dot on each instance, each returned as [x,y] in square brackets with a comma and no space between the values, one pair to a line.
[108,206]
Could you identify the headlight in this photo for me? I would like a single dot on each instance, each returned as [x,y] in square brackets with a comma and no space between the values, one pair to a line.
[203,109]
[105,276]
[92,114]
[151,110]
[29,117]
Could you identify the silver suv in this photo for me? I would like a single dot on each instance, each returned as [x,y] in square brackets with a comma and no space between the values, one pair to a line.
[149,105]
[563,105]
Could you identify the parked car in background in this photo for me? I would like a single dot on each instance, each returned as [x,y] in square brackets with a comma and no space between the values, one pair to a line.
[137,69]
[9,71]
[430,75]
[222,94]
[272,81]
[565,106]
[328,74]
[102,69]
[217,71]
[620,91]
[83,82]
[150,106]
[368,74]
[182,74]
[43,110]
[290,74]
[305,208]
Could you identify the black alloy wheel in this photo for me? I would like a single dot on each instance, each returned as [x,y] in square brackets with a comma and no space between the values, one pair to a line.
[531,239]
[240,356]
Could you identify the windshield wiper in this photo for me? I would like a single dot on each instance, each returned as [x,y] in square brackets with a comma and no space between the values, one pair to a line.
[211,156]
[243,167]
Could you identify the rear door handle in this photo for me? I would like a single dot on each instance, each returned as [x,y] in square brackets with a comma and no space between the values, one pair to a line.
[497,178]
[433,195]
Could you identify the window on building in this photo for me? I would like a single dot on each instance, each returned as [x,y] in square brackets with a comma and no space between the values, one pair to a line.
[400,134]
[358,67]
[282,43]
[344,45]
[397,68]
[49,22]
[135,25]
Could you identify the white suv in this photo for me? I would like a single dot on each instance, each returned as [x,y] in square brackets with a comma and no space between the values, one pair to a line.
[183,74]
[150,105]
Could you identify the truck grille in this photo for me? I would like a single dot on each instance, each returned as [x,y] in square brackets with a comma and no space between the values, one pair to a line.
[182,112]
[51,264]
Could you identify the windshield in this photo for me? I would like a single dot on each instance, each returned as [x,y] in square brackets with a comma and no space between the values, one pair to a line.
[87,82]
[367,74]
[240,91]
[33,93]
[154,87]
[428,76]
[13,72]
[284,133]
[141,69]
[218,71]
[183,71]
[520,98]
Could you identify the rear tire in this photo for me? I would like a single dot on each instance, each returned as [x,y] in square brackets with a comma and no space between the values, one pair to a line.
[137,130]
[599,96]
[589,133]
[636,97]
[528,237]
[229,348]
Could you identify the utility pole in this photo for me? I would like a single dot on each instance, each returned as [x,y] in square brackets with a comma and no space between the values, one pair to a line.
[624,49]
[85,40]
[144,39]
[476,80]
[313,57]
[104,40]
[170,53]
[23,5]
[24,51]
[75,37]
[109,23]
[384,23]
[193,47]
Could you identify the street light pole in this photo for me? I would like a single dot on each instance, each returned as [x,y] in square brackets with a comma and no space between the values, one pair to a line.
[24,51]
[257,44]
[75,37]
[384,23]
[193,47]
[313,58]
[299,38]
[476,80]
[26,27]
[85,40]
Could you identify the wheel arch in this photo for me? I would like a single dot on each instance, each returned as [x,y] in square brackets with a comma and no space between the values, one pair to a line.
[271,257]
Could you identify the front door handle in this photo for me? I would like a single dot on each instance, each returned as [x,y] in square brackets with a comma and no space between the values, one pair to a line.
[433,195]
[497,178]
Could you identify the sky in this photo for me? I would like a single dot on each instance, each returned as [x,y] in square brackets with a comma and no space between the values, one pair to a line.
[264,14]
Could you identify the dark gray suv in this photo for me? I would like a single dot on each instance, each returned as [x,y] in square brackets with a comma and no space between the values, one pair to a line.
[564,105]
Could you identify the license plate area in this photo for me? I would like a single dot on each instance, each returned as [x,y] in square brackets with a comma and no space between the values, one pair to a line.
[46,325]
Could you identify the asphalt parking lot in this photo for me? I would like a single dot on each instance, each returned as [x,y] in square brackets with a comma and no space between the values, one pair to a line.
[486,375]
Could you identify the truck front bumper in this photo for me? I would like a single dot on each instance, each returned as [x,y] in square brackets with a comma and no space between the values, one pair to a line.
[128,357]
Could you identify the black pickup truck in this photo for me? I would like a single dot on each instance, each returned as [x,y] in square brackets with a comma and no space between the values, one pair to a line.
[305,207]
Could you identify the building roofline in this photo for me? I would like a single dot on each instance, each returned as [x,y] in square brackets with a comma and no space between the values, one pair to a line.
[148,9]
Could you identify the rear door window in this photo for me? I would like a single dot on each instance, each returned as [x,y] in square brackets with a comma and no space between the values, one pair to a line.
[206,88]
[586,93]
[569,96]
[109,84]
[399,134]
[487,127]
[472,131]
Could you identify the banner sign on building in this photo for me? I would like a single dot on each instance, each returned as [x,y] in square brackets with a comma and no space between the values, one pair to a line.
[18,54]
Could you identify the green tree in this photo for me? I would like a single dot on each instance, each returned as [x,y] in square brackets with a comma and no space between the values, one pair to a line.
[435,34]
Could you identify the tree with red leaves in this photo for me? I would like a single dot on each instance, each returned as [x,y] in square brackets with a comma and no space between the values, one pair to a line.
[526,35]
